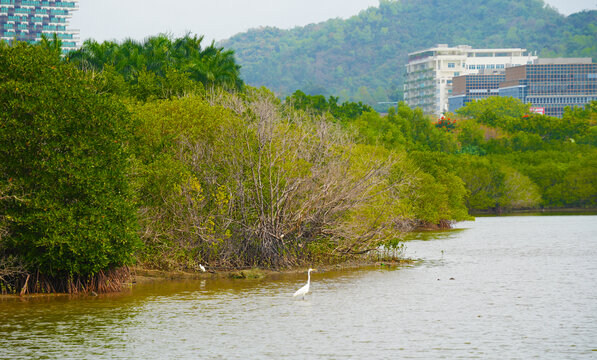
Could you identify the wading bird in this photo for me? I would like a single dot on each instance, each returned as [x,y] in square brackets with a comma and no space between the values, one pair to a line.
[202,267]
[305,289]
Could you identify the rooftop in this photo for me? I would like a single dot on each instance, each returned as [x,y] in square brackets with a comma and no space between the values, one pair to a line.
[562,61]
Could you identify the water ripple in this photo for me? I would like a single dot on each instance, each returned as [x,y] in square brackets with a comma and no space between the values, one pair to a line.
[511,287]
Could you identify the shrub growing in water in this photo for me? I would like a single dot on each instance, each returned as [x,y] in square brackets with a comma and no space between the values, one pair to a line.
[241,180]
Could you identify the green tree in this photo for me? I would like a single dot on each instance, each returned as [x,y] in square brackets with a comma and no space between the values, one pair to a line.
[519,191]
[345,112]
[439,195]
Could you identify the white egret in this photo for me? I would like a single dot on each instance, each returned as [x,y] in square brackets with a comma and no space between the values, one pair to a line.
[305,289]
[202,267]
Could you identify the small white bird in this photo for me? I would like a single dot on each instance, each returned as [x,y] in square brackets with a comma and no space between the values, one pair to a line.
[305,289]
[201,267]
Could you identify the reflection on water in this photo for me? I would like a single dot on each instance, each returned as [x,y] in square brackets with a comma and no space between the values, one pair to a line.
[434,235]
[522,287]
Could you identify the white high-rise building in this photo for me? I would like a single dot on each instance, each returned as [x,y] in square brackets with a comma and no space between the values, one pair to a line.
[429,72]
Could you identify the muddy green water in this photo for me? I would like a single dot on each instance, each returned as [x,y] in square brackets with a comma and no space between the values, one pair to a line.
[523,287]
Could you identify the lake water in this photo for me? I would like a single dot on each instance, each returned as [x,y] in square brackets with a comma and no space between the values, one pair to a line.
[523,287]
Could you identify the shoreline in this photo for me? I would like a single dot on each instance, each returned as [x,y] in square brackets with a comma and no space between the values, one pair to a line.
[141,275]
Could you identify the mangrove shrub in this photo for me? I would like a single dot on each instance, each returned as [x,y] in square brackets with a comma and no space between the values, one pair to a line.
[64,168]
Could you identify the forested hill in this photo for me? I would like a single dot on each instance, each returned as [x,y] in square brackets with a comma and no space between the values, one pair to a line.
[362,58]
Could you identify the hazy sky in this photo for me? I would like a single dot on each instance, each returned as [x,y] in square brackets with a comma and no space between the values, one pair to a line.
[220,19]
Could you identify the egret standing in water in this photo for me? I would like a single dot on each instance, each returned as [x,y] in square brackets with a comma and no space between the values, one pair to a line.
[305,289]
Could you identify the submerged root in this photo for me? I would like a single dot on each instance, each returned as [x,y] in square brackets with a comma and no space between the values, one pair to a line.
[103,282]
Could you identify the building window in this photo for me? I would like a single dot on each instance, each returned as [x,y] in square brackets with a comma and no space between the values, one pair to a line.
[451,65]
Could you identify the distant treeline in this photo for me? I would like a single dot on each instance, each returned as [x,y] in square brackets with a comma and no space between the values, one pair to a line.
[507,157]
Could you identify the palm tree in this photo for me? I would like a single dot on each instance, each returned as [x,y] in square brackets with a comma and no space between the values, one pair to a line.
[92,56]
[157,50]
[130,59]
[54,45]
[159,54]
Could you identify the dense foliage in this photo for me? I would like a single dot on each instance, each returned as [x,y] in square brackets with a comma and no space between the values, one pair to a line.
[100,167]
[234,180]
[227,180]
[66,205]
[362,58]
[320,105]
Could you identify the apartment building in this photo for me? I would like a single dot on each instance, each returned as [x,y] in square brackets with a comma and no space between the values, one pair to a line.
[429,72]
[27,20]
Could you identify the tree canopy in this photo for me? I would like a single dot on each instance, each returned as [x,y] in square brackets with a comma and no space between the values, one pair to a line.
[161,57]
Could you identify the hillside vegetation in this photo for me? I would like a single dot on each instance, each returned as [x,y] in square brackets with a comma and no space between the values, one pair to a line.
[362,58]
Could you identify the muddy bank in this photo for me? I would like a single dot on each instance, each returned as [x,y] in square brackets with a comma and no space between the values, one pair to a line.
[140,275]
